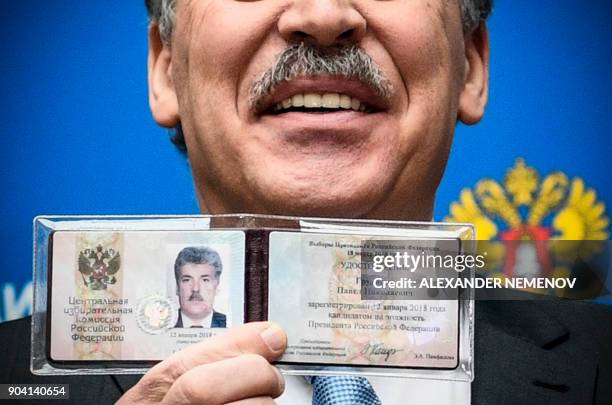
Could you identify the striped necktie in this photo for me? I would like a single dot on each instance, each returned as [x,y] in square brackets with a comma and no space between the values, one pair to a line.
[342,390]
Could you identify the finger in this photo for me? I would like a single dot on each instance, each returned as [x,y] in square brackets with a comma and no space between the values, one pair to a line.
[237,378]
[264,338]
[254,401]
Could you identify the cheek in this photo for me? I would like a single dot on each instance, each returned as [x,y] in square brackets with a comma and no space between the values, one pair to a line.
[427,52]
[220,39]
[209,288]
[215,46]
[425,43]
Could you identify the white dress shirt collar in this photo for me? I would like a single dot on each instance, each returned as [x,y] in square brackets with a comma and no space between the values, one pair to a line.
[189,322]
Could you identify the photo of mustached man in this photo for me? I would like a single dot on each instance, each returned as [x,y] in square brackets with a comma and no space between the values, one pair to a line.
[197,270]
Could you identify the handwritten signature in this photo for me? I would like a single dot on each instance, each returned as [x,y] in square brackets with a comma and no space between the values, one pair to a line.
[379,349]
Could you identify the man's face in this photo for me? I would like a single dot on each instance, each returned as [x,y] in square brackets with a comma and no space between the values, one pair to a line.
[197,287]
[384,162]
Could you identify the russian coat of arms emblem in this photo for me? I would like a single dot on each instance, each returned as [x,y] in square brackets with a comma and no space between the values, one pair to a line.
[98,267]
[552,216]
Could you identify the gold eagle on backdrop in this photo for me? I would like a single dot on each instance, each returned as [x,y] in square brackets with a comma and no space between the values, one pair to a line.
[526,207]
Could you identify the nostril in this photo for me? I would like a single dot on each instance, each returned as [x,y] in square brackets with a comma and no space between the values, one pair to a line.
[301,36]
[347,35]
[343,38]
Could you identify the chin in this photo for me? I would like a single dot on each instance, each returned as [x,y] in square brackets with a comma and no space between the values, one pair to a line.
[335,194]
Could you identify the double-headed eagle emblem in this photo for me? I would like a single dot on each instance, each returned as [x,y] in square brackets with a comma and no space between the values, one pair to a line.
[556,217]
[523,203]
[98,267]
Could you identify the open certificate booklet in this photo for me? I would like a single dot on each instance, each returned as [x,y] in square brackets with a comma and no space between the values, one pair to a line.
[117,295]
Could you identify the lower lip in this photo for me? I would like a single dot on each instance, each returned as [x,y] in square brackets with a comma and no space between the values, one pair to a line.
[347,121]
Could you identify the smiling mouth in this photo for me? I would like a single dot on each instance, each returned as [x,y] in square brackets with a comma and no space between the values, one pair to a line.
[319,104]
[321,95]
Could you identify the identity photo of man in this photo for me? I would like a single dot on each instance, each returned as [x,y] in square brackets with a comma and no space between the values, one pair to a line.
[197,272]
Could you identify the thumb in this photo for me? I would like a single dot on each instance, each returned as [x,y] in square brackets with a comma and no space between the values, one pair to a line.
[266,339]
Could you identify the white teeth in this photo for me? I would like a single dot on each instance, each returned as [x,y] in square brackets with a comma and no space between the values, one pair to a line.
[331,100]
[312,101]
[298,100]
[345,102]
[327,100]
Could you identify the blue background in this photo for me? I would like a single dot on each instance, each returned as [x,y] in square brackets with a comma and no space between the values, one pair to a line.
[77,138]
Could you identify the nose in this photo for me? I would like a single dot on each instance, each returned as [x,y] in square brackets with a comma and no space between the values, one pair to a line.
[322,22]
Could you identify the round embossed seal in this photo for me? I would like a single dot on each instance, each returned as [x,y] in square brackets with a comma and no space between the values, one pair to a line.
[156,314]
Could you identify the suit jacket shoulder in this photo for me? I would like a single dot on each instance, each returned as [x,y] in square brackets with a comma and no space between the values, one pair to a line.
[15,369]
[218,320]
[542,352]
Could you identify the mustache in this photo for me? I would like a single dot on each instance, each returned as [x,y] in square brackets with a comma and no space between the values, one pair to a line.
[305,59]
[196,296]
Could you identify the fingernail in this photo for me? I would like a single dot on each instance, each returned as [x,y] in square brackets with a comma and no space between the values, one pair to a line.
[274,337]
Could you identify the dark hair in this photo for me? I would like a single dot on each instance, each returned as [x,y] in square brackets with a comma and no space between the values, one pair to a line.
[197,255]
